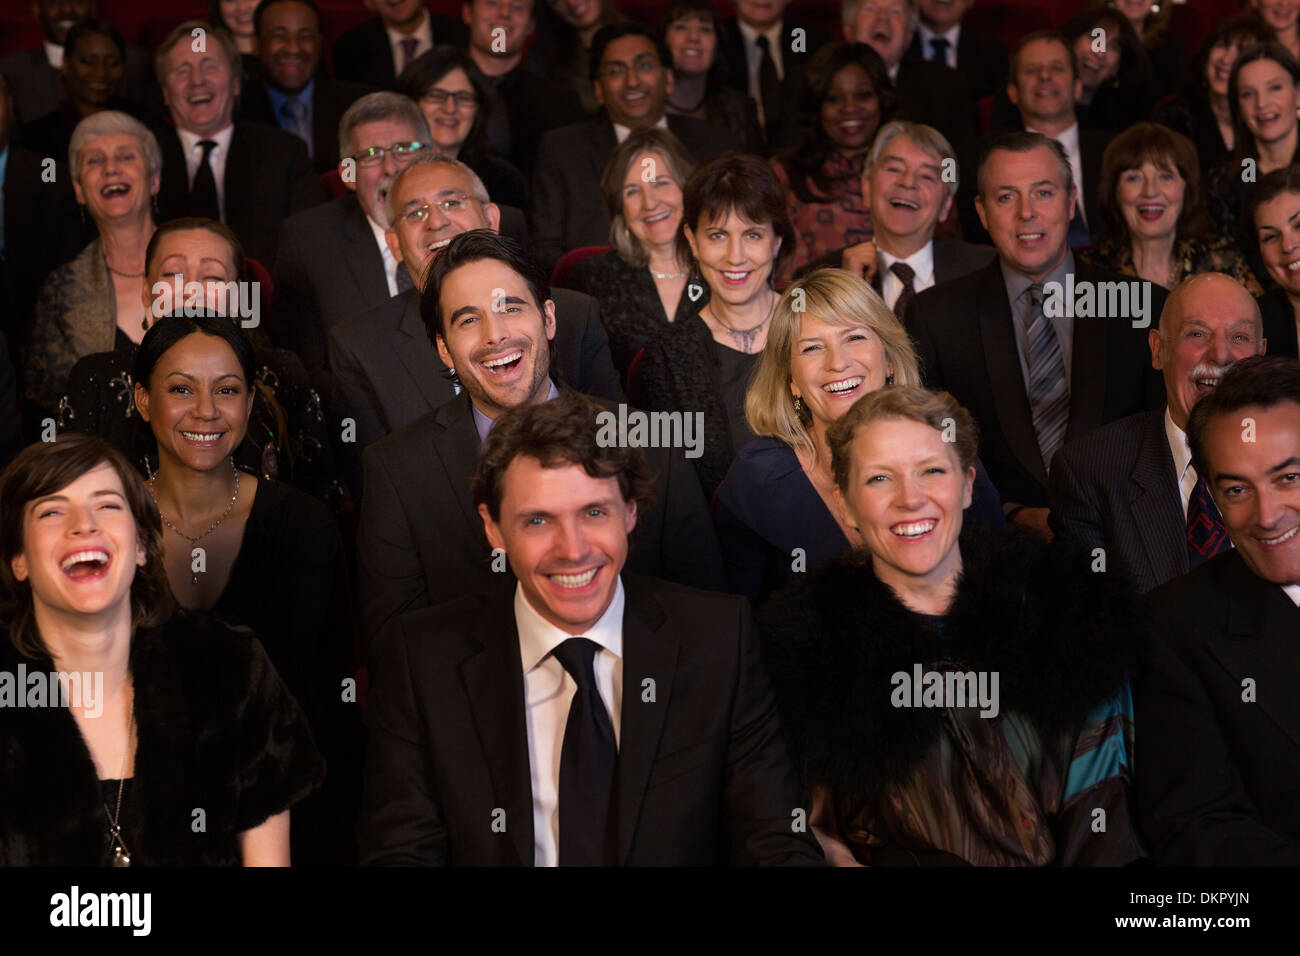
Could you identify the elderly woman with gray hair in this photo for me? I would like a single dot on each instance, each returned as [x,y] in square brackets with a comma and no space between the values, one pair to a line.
[92,303]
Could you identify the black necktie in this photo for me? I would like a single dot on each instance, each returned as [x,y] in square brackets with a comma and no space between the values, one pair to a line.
[1206,533]
[939,50]
[586,763]
[203,191]
[905,275]
[769,85]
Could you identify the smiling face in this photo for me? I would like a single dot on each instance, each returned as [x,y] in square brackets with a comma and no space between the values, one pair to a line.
[942,15]
[1279,14]
[1096,67]
[113,180]
[484,17]
[81,548]
[450,121]
[1026,209]
[692,43]
[93,71]
[832,365]
[565,534]
[632,84]
[1208,324]
[403,15]
[1150,199]
[736,257]
[200,88]
[373,182]
[906,494]
[760,14]
[435,203]
[1043,86]
[57,16]
[495,335]
[1277,226]
[851,110]
[1267,98]
[238,16]
[579,14]
[1256,485]
[290,45]
[906,190]
[882,24]
[652,210]
[195,255]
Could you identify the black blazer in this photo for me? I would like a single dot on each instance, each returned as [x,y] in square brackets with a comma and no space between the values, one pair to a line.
[421,541]
[534,104]
[965,340]
[781,131]
[937,96]
[268,176]
[981,60]
[387,374]
[330,101]
[1279,323]
[952,260]
[363,55]
[703,775]
[1116,489]
[568,209]
[1217,776]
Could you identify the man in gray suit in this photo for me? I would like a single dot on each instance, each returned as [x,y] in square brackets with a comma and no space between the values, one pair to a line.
[1130,487]
[909,179]
[386,372]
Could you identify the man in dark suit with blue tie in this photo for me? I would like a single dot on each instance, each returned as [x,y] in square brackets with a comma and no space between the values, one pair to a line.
[1130,487]
[943,38]
[575,714]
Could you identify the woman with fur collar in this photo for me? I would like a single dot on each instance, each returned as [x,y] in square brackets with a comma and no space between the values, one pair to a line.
[175,743]
[952,698]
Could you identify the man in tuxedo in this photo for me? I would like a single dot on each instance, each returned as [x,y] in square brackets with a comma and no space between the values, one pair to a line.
[524,104]
[248,175]
[1218,768]
[942,38]
[513,727]
[386,371]
[1006,340]
[632,77]
[759,44]
[373,53]
[1043,85]
[903,180]
[1130,487]
[928,92]
[488,307]
[293,93]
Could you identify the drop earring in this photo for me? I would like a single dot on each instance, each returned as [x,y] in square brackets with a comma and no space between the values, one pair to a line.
[798,407]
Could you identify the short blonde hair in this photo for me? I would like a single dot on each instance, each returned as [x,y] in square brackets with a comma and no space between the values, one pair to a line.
[837,297]
[679,164]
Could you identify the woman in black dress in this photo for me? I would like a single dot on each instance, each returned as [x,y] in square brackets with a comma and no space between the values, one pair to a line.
[182,711]
[1273,216]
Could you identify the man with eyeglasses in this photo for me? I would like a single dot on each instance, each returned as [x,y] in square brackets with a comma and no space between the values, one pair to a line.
[386,374]
[632,77]
[333,261]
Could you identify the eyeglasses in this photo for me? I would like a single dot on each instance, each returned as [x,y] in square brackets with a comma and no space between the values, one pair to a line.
[644,66]
[453,203]
[375,154]
[438,96]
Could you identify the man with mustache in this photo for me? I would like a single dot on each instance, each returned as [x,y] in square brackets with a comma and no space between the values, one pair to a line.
[1130,487]
[293,92]
[420,542]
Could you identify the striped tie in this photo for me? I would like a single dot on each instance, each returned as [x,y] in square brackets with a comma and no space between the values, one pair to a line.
[1049,397]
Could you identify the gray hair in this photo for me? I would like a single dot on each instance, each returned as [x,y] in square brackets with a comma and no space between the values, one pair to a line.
[113,123]
[476,187]
[377,107]
[185,31]
[849,11]
[926,137]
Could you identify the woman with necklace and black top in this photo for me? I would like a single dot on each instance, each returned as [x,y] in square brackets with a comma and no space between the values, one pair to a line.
[174,713]
[736,230]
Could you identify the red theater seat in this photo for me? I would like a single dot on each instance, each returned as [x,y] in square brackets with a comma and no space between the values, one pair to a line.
[560,274]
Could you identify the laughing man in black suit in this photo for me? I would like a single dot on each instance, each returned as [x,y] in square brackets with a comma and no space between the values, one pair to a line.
[581,716]
[1130,486]
[1219,766]
[630,68]
[487,306]
[1032,381]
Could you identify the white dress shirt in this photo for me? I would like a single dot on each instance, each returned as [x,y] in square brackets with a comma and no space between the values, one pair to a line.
[927,52]
[922,263]
[1069,140]
[390,261]
[1184,473]
[548,694]
[622,132]
[1293,592]
[754,57]
[424,41]
[217,160]
[54,53]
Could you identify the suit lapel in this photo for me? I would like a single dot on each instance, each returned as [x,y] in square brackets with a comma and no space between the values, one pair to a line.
[458,446]
[175,185]
[600,145]
[647,653]
[411,343]
[364,260]
[1154,504]
[1087,370]
[1005,378]
[240,174]
[494,681]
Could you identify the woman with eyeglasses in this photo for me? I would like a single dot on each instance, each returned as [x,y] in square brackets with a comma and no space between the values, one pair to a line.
[456,105]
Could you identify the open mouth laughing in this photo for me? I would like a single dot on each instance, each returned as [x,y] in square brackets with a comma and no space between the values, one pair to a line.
[914,530]
[85,563]
[844,387]
[503,365]
[574,581]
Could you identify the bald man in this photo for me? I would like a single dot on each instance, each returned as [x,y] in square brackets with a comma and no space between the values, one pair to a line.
[1129,488]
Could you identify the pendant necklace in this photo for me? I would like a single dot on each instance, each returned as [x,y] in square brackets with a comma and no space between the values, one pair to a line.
[744,338]
[121,855]
[215,525]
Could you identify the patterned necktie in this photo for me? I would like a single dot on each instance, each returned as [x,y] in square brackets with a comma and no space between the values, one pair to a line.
[905,275]
[769,83]
[403,276]
[1206,533]
[296,111]
[939,50]
[1049,397]
[203,191]
[587,760]
[408,45]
